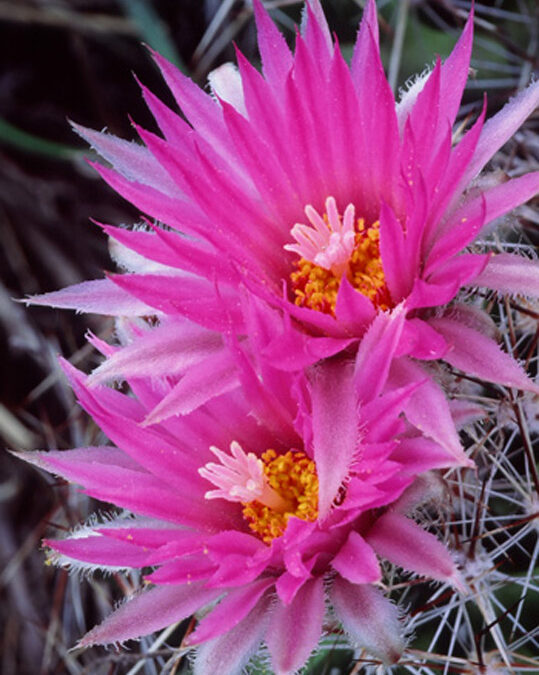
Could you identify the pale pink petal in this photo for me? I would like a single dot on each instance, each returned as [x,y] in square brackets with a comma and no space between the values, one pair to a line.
[357,562]
[226,84]
[211,377]
[370,619]
[231,652]
[148,612]
[479,355]
[508,273]
[99,296]
[165,350]
[428,408]
[294,630]
[335,427]
[131,159]
[232,609]
[499,129]
[404,543]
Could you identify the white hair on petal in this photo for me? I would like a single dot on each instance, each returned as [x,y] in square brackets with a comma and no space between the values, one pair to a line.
[408,94]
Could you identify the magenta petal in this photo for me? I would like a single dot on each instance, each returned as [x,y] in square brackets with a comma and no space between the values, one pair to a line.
[231,652]
[421,341]
[510,274]
[148,612]
[195,298]
[353,310]
[229,612]
[335,427]
[479,355]
[184,571]
[398,261]
[294,630]
[99,296]
[369,618]
[404,543]
[357,562]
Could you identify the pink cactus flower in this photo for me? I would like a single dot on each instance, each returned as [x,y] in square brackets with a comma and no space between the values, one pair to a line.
[308,187]
[263,507]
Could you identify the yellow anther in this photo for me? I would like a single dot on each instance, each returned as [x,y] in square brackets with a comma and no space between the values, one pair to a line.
[293,476]
[317,288]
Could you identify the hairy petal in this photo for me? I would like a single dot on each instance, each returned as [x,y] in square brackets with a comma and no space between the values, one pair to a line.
[479,355]
[370,619]
[335,427]
[400,540]
[294,629]
[148,612]
[510,274]
[230,652]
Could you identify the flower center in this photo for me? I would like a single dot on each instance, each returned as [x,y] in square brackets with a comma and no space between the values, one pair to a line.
[330,248]
[271,488]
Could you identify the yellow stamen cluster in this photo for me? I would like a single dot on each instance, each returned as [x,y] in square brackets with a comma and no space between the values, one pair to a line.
[316,288]
[293,477]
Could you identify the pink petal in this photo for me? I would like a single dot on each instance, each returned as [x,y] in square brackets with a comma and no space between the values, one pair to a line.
[421,341]
[499,129]
[508,273]
[399,265]
[165,350]
[294,630]
[197,299]
[380,134]
[420,454]
[357,562]
[231,652]
[479,355]
[274,52]
[428,408]
[335,427]
[353,310]
[230,611]
[375,353]
[131,159]
[214,376]
[370,619]
[315,30]
[99,296]
[467,222]
[101,551]
[404,543]
[185,571]
[148,612]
